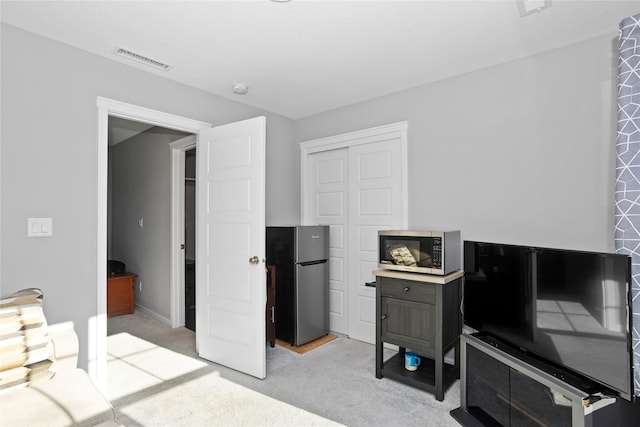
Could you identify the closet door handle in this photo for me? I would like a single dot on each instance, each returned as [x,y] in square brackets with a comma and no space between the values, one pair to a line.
[383,316]
[406,289]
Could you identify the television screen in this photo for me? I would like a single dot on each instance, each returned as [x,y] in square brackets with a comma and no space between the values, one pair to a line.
[568,307]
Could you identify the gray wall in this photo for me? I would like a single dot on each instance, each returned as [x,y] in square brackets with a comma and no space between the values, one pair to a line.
[141,183]
[49,162]
[520,153]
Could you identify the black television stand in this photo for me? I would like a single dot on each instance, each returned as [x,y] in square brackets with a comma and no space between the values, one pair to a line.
[499,388]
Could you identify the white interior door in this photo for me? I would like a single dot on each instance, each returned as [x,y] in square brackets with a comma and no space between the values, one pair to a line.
[230,246]
[376,203]
[330,188]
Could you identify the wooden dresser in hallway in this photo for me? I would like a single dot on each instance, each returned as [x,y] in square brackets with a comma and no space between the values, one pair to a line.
[121,294]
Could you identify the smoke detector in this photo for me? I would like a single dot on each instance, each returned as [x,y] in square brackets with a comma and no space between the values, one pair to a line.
[240,89]
[141,59]
[527,7]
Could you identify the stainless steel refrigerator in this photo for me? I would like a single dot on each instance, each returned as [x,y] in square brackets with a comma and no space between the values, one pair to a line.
[301,257]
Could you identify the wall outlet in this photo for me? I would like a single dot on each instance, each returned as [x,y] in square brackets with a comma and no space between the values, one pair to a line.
[140,286]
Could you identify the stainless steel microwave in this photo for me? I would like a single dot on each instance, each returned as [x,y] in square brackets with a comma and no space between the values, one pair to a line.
[428,252]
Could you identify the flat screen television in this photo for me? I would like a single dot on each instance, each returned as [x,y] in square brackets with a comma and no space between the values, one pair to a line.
[568,308]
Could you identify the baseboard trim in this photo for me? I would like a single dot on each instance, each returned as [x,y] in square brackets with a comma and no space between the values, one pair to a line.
[152,314]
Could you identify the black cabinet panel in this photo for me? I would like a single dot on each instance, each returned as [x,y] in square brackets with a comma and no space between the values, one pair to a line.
[535,405]
[487,387]
[408,323]
[500,395]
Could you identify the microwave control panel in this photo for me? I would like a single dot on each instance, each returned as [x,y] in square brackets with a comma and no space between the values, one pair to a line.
[436,256]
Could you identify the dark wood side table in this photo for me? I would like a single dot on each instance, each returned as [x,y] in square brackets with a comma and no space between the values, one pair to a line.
[121,294]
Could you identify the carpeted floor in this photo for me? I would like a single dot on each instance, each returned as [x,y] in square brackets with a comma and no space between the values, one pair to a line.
[156,379]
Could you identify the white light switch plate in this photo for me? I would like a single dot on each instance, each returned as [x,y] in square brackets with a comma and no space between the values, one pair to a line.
[39,227]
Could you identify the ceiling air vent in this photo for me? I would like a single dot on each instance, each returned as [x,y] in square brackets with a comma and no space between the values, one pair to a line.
[143,59]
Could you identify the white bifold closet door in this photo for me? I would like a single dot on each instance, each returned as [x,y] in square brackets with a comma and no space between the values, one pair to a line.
[356,190]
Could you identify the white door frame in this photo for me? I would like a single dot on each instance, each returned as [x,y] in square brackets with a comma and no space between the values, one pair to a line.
[97,346]
[366,136]
[178,149]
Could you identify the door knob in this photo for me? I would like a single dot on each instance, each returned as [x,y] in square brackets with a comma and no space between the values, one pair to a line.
[254,260]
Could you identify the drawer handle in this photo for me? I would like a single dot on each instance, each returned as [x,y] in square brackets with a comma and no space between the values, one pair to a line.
[406,289]
[383,316]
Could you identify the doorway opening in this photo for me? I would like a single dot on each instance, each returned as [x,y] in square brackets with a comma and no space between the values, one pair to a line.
[139,162]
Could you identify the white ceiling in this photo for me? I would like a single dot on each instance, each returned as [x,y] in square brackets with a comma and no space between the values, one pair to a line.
[304,57]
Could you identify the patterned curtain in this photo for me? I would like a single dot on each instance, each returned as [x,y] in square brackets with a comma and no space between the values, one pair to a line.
[627,216]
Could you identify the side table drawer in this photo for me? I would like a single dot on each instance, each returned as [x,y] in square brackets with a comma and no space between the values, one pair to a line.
[408,290]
